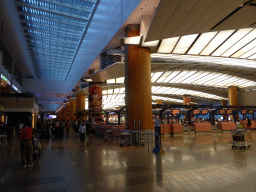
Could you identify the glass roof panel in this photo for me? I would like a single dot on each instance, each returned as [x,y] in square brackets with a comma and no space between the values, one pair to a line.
[184,43]
[53,28]
[239,34]
[216,41]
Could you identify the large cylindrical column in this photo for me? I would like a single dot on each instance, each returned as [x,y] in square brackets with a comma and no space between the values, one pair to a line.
[232,95]
[72,109]
[80,101]
[138,83]
[67,111]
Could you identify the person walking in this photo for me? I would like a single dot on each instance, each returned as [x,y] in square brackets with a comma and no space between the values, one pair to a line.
[88,129]
[26,147]
[82,131]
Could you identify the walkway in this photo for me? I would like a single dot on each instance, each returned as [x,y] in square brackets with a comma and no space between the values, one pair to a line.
[192,162]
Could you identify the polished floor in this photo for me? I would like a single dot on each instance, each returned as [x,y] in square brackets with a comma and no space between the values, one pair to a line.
[191,162]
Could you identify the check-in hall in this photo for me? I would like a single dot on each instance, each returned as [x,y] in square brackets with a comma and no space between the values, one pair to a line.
[141,95]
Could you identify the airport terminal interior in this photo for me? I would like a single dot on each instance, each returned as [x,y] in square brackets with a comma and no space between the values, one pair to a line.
[169,87]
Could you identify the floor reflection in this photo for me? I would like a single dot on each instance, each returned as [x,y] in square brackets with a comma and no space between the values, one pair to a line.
[191,162]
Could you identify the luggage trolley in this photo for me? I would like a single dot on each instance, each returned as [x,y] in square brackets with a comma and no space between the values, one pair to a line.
[239,139]
[3,140]
[109,134]
[125,138]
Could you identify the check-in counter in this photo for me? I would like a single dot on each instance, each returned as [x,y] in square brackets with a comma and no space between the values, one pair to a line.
[176,128]
[165,128]
[244,123]
[204,126]
[225,126]
[253,125]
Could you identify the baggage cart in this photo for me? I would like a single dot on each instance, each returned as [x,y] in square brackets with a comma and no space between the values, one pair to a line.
[125,138]
[109,135]
[3,140]
[238,139]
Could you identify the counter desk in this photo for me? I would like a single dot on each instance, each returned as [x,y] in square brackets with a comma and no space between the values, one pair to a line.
[204,126]
[176,128]
[225,126]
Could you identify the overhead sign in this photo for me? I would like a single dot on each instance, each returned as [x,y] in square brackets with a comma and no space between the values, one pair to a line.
[175,111]
[196,111]
[222,111]
[205,111]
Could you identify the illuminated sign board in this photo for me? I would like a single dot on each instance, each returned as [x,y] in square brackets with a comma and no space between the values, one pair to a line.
[175,111]
[244,111]
[222,111]
[229,111]
[196,111]
[204,111]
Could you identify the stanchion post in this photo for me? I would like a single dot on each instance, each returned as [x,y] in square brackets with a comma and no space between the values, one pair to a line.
[139,131]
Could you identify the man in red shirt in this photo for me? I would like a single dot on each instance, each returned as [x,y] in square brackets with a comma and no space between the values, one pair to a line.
[26,145]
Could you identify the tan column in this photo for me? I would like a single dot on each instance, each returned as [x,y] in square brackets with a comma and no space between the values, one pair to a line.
[67,111]
[80,101]
[72,109]
[138,83]
[224,103]
[232,95]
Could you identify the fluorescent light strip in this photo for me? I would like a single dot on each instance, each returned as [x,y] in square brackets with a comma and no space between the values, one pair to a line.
[171,76]
[180,75]
[244,50]
[156,76]
[116,91]
[120,80]
[207,59]
[109,81]
[197,74]
[190,73]
[184,43]
[205,78]
[110,91]
[163,77]
[231,41]
[217,40]
[167,45]
[202,41]
[248,38]
[249,54]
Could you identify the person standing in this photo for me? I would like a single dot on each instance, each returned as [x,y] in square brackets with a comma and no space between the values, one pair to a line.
[67,127]
[82,131]
[88,129]
[26,146]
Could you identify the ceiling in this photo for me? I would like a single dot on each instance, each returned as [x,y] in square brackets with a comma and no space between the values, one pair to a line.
[58,40]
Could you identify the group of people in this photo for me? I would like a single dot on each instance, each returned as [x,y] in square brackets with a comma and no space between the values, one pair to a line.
[86,129]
